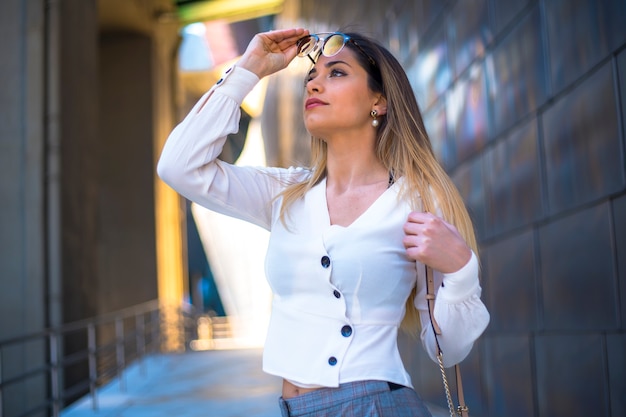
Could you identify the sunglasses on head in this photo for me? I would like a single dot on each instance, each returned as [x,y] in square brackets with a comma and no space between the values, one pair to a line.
[329,45]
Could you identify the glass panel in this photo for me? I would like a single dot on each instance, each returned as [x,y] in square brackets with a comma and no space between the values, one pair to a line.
[517,83]
[582,144]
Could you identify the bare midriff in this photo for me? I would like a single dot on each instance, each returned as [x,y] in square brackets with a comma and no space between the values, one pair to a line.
[290,390]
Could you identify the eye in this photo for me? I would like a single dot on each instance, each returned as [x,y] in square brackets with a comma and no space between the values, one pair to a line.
[336,73]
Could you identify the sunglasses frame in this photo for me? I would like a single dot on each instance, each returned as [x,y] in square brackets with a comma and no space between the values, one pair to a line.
[319,40]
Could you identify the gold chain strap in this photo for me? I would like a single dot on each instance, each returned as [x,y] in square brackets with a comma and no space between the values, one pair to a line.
[446,387]
[462,410]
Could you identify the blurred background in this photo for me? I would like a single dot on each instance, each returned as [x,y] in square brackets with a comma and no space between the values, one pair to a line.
[101,262]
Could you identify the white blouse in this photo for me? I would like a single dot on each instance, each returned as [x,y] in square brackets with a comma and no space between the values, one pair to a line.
[339,293]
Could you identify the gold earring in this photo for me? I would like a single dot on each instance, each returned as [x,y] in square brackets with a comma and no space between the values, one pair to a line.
[374,113]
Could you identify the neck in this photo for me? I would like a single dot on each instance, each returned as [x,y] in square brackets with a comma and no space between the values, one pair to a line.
[353,166]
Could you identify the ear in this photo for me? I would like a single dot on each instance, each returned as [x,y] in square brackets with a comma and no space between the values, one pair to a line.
[380,105]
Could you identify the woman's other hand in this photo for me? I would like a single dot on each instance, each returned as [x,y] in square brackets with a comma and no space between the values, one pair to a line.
[432,241]
[272,51]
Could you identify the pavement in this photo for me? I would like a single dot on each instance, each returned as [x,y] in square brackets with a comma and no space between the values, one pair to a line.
[212,383]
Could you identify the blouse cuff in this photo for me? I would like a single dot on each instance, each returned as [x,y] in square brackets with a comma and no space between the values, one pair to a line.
[236,83]
[460,285]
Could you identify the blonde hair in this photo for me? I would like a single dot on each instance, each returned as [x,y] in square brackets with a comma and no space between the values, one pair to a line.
[404,147]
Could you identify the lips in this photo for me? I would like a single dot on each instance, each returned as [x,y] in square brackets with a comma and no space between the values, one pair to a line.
[313,102]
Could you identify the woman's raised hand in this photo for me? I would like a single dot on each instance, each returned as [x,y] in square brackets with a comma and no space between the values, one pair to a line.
[269,52]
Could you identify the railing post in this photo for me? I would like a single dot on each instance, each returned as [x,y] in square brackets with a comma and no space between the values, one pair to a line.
[54,374]
[156,329]
[140,341]
[119,351]
[93,371]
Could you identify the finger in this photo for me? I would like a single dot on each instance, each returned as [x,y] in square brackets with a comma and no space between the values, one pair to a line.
[286,38]
[409,242]
[420,216]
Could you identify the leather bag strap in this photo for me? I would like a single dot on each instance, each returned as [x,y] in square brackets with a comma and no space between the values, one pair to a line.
[462,409]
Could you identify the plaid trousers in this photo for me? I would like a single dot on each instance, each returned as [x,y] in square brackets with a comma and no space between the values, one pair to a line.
[357,399]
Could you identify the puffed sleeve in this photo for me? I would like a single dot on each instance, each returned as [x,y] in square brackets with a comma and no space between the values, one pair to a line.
[459,311]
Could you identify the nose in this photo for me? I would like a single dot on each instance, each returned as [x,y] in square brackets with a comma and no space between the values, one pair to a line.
[313,86]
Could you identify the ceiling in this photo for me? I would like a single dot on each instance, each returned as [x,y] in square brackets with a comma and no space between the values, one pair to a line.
[140,15]
[189,11]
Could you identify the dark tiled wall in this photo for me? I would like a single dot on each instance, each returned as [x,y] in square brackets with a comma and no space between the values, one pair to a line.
[525,102]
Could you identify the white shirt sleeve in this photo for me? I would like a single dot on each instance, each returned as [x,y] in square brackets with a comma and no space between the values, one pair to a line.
[459,311]
[189,163]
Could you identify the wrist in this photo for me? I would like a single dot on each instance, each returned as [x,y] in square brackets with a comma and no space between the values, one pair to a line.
[253,64]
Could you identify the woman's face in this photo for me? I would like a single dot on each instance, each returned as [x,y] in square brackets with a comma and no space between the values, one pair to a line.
[338,99]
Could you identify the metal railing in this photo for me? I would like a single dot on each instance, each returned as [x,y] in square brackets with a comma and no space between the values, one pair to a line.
[74,359]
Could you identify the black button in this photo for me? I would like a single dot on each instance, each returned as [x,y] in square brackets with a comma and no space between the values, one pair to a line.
[228,70]
[337,294]
[346,331]
[219,81]
[332,361]
[325,261]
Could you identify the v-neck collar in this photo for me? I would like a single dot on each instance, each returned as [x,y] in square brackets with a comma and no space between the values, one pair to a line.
[320,189]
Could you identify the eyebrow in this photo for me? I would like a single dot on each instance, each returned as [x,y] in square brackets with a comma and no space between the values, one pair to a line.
[331,63]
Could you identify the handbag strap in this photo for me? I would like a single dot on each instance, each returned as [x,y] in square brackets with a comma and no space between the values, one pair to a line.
[462,409]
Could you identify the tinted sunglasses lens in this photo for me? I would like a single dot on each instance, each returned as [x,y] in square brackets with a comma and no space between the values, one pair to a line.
[333,44]
[306,45]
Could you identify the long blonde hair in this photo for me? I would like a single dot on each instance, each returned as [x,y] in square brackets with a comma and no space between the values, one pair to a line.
[403,146]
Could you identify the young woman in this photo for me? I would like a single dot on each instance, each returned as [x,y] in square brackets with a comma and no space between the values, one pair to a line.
[351,235]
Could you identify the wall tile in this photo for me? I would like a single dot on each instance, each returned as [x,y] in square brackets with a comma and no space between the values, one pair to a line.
[469,180]
[469,32]
[619,220]
[583,156]
[407,31]
[593,30]
[513,175]
[505,11]
[432,73]
[443,143]
[467,114]
[621,65]
[427,12]
[577,275]
[510,266]
[563,363]
[517,81]
[472,375]
[509,376]
[616,350]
